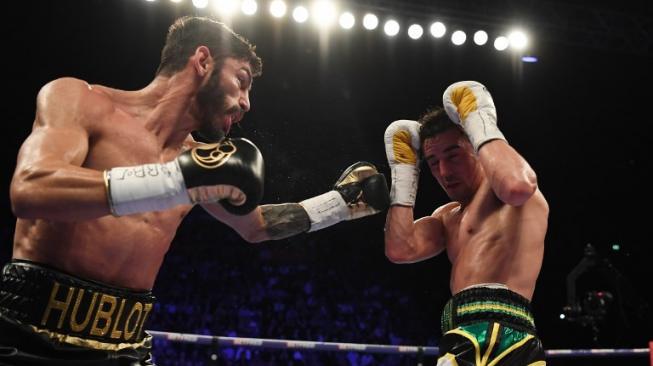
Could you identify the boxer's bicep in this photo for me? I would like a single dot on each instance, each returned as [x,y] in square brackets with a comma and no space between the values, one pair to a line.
[49,173]
[59,140]
[53,147]
[59,134]
[429,233]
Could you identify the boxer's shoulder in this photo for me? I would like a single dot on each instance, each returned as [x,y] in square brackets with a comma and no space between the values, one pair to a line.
[447,210]
[69,100]
[73,89]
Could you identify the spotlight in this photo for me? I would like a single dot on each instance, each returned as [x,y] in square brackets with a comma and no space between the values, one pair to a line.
[300,14]
[518,40]
[391,27]
[415,31]
[438,30]
[249,7]
[226,7]
[370,21]
[501,43]
[200,4]
[347,20]
[324,13]
[480,37]
[278,8]
[458,37]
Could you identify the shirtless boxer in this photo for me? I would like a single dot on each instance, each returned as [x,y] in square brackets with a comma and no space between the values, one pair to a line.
[493,230]
[106,177]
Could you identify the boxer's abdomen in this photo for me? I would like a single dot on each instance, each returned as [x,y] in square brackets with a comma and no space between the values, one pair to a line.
[125,251]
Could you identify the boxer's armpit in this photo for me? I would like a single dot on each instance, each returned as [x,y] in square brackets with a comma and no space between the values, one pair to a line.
[284,220]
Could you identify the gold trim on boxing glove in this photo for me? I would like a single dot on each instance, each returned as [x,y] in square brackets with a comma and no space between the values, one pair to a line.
[357,174]
[212,156]
[107,190]
[464,99]
[403,152]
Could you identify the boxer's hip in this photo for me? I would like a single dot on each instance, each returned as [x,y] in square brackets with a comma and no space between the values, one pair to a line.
[63,308]
[488,303]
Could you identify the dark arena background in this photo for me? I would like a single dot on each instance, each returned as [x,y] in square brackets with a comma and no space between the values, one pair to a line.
[581,115]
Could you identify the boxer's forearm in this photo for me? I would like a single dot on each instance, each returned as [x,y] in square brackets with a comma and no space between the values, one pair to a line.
[398,233]
[284,220]
[58,192]
[266,222]
[408,241]
[510,176]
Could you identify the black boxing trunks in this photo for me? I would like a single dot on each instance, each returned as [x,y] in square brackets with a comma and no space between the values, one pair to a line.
[489,325]
[51,318]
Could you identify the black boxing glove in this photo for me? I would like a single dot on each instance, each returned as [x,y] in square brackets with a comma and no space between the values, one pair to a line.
[230,172]
[360,191]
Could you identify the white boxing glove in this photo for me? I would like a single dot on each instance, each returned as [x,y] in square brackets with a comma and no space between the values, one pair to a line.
[402,147]
[469,104]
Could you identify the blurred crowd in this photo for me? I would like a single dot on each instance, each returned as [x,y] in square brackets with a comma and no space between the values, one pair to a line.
[237,290]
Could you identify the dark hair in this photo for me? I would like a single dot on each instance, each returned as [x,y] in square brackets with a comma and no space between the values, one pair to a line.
[434,122]
[189,32]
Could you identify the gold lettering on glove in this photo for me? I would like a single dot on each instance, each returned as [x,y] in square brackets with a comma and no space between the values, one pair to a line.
[211,156]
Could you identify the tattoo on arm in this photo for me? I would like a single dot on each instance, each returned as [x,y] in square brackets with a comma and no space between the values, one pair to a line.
[284,220]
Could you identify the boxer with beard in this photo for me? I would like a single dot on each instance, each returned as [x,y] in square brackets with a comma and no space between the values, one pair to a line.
[105,179]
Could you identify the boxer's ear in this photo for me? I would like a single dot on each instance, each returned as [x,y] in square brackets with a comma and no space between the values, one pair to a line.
[202,60]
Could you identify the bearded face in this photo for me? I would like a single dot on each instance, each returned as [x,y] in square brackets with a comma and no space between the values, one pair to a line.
[223,100]
[211,104]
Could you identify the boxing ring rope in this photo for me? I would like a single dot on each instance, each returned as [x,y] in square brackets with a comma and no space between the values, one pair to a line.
[374,348]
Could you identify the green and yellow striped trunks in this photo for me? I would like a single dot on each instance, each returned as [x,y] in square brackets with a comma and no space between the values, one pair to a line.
[489,326]
[488,304]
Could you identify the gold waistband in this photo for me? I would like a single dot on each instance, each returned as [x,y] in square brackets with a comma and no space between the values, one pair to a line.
[146,342]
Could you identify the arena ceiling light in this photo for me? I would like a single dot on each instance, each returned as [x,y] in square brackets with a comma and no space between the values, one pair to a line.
[200,4]
[391,28]
[370,21]
[415,31]
[324,13]
[225,7]
[438,29]
[458,37]
[501,43]
[517,40]
[480,37]
[300,14]
[278,8]
[249,7]
[347,20]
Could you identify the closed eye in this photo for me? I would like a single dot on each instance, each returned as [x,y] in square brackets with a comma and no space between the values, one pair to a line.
[244,79]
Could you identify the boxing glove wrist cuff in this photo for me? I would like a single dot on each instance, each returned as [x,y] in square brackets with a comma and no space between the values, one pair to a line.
[404,184]
[481,127]
[144,188]
[325,210]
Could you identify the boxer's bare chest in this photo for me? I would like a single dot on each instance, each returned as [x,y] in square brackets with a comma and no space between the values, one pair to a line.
[124,141]
[466,226]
